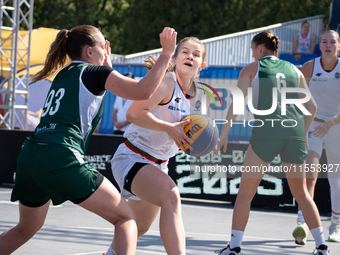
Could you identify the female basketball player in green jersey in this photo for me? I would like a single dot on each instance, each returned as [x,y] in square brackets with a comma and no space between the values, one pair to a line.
[266,73]
[51,164]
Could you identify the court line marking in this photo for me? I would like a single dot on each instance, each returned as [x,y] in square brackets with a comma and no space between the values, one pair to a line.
[156,232]
[96,252]
[251,211]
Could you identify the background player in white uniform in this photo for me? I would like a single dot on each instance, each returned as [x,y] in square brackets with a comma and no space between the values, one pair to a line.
[38,181]
[323,76]
[140,165]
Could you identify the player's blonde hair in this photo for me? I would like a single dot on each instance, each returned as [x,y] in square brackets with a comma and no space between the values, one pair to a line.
[330,31]
[150,61]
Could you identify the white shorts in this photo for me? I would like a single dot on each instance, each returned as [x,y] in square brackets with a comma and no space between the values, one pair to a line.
[330,142]
[121,163]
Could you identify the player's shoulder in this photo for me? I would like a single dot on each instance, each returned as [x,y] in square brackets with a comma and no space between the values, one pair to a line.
[307,68]
[249,70]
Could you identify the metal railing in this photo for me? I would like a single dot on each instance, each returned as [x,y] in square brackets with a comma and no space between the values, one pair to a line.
[234,49]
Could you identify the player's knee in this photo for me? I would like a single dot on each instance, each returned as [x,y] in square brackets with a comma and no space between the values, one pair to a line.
[172,198]
[27,233]
[142,230]
[300,195]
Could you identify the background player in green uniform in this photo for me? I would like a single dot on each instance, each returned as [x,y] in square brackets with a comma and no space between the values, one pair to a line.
[51,164]
[266,73]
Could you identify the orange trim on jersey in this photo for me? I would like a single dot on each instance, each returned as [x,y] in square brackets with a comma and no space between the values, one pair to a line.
[337,60]
[189,97]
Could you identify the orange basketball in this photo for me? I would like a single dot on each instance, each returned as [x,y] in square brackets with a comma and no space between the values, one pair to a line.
[204,134]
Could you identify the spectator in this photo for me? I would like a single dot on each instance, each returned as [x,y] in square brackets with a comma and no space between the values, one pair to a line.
[120,107]
[304,42]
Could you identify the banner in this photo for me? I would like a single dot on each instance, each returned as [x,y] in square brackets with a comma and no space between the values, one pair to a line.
[206,177]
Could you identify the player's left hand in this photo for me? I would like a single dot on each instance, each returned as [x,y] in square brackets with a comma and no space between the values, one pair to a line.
[107,60]
[322,129]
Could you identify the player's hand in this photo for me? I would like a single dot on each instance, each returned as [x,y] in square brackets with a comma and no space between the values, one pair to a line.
[222,143]
[168,40]
[216,150]
[107,60]
[322,129]
[176,132]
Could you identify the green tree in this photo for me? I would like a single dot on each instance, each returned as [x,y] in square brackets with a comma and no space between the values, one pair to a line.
[208,18]
[134,25]
[65,14]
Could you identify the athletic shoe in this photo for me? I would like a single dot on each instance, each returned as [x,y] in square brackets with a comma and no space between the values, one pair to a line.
[228,251]
[334,233]
[300,233]
[322,250]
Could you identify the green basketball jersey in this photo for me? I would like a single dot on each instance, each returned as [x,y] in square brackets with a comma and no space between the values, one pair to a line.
[276,73]
[71,112]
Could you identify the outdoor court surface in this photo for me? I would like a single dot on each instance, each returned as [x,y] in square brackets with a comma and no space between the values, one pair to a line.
[71,230]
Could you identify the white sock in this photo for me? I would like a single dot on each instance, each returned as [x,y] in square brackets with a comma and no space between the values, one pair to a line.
[110,251]
[300,218]
[335,219]
[317,234]
[236,238]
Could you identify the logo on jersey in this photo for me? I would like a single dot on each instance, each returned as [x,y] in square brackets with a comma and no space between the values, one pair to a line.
[204,110]
[173,108]
[337,75]
[177,100]
[318,74]
[198,105]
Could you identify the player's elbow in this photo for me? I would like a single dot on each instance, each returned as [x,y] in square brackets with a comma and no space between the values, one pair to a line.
[146,95]
[131,115]
[312,107]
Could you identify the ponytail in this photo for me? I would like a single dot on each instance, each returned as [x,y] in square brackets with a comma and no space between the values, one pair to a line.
[68,43]
[270,41]
[56,57]
[150,62]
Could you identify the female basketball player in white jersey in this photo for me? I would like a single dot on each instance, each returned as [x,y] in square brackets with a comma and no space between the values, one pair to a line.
[323,76]
[51,164]
[265,74]
[140,164]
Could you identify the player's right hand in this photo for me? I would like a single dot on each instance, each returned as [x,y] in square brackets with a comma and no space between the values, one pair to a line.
[168,40]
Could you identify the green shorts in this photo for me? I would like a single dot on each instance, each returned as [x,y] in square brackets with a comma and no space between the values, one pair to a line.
[52,171]
[291,150]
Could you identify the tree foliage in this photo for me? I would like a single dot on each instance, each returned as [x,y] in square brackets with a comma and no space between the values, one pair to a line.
[65,14]
[134,25]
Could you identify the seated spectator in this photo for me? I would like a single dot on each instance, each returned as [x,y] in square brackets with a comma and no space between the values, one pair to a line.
[303,42]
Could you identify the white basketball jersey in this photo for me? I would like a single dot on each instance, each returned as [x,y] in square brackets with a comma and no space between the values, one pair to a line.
[159,144]
[325,88]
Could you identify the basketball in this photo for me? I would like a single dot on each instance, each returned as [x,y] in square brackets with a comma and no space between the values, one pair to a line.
[204,134]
